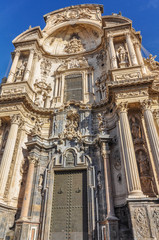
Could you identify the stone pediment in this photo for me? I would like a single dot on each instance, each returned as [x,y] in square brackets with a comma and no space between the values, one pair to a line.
[115,20]
[29,35]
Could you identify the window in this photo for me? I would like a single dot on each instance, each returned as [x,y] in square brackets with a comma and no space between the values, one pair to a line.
[73,87]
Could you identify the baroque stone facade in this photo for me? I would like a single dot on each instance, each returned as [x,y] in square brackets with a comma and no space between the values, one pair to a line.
[79,131]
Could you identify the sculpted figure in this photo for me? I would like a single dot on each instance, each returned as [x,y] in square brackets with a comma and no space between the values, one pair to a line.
[21,69]
[122,56]
[135,129]
[143,164]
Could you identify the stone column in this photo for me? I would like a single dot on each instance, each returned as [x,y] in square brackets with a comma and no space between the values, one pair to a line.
[112,53]
[152,133]
[36,59]
[108,185]
[29,65]
[140,58]
[8,152]
[131,169]
[131,50]
[26,200]
[13,67]
[47,102]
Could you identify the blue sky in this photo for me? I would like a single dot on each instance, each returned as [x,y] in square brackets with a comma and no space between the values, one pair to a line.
[16,16]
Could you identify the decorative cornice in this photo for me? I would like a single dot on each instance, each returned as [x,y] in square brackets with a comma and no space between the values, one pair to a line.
[27,102]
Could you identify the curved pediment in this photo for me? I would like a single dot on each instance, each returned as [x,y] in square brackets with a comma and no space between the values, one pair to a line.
[73,39]
[29,35]
[115,20]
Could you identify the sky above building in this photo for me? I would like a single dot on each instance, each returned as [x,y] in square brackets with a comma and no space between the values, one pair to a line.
[17,16]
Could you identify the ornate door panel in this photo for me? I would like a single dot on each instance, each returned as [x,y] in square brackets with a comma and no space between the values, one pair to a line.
[69,207]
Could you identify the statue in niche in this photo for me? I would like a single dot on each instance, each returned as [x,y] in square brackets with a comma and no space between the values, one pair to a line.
[143,164]
[70,159]
[21,69]
[122,56]
[135,128]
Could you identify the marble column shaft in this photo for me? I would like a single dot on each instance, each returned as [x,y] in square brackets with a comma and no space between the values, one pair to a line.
[131,169]
[131,50]
[13,67]
[108,185]
[153,136]
[140,58]
[112,53]
[28,188]
[29,65]
[8,152]
[32,80]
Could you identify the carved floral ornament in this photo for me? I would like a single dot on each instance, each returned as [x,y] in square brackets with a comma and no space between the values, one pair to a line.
[122,107]
[74,14]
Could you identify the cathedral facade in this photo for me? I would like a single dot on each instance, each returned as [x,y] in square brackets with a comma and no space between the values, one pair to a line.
[79,131]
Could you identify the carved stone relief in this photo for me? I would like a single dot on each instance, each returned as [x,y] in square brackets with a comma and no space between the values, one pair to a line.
[127,76]
[37,128]
[72,63]
[42,90]
[151,63]
[71,128]
[73,14]
[74,46]
[45,67]
[142,228]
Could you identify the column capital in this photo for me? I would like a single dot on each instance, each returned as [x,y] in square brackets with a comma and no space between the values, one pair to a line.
[33,159]
[32,50]
[17,52]
[16,119]
[122,107]
[146,104]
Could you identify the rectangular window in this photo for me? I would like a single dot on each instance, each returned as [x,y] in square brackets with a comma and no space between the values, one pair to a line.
[73,88]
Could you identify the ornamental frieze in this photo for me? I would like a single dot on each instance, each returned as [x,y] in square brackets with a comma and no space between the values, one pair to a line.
[133,94]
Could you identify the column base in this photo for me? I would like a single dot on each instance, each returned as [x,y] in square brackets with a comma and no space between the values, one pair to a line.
[136,194]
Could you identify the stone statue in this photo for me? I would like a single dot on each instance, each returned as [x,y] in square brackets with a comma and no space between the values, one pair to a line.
[135,129]
[122,56]
[143,164]
[21,69]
